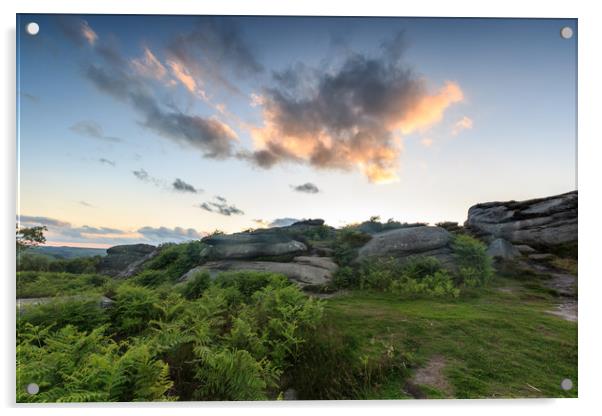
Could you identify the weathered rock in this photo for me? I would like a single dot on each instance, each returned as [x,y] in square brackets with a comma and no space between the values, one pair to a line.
[538,222]
[525,249]
[502,250]
[321,262]
[123,260]
[305,272]
[249,245]
[541,256]
[407,242]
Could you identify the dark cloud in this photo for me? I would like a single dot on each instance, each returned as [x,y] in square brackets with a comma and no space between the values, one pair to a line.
[308,188]
[349,117]
[76,30]
[164,234]
[181,186]
[65,229]
[283,222]
[92,129]
[107,161]
[209,135]
[216,46]
[86,204]
[31,97]
[141,174]
[220,206]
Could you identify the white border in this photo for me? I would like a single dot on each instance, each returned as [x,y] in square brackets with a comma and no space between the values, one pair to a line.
[590,371]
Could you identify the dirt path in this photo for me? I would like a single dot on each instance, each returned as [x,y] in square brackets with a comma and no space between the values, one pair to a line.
[431,375]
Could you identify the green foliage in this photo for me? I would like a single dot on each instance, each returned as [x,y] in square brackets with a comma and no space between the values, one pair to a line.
[73,366]
[439,284]
[346,243]
[474,264]
[249,282]
[176,259]
[42,263]
[196,285]
[133,308]
[29,237]
[82,312]
[43,284]
[151,278]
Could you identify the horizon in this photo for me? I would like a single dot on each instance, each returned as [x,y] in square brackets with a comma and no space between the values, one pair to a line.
[134,132]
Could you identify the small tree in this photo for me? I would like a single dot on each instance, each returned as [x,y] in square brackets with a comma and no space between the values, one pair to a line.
[30,237]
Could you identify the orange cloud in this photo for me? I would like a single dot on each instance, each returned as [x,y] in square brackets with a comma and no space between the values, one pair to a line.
[426,141]
[182,74]
[88,34]
[149,66]
[462,124]
[429,109]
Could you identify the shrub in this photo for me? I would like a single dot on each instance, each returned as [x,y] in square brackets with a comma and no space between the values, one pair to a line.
[177,259]
[438,284]
[198,283]
[134,307]
[474,264]
[42,284]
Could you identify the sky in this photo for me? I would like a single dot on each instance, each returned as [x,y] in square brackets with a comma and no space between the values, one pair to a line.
[165,128]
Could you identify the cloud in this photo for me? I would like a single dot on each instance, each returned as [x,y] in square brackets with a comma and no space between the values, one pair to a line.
[107,161]
[77,30]
[462,124]
[211,136]
[144,176]
[181,186]
[308,188]
[149,66]
[64,232]
[213,50]
[92,129]
[426,141]
[348,118]
[86,204]
[164,234]
[220,206]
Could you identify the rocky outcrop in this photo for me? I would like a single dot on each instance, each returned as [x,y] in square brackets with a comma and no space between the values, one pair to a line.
[251,245]
[407,242]
[501,249]
[550,221]
[124,260]
[304,271]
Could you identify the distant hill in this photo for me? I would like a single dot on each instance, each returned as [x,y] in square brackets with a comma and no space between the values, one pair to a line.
[67,252]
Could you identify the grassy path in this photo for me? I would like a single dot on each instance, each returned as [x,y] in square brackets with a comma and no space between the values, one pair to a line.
[500,343]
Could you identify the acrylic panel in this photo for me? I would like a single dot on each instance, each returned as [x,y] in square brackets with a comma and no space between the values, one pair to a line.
[217,208]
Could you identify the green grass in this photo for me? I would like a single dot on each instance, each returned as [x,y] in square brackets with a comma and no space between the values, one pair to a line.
[496,344]
[42,284]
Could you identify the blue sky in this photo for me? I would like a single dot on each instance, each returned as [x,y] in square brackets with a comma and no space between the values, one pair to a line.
[162,128]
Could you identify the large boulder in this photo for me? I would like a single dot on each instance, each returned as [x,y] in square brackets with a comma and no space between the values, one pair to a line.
[550,221]
[124,260]
[250,245]
[502,250]
[304,271]
[408,242]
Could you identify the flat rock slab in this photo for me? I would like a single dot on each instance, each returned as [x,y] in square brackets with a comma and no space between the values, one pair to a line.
[251,245]
[566,311]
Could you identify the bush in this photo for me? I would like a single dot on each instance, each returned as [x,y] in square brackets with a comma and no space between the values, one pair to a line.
[32,284]
[176,259]
[196,286]
[134,308]
[439,284]
[474,264]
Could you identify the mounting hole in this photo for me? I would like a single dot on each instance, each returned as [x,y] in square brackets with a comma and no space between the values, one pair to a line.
[33,388]
[32,28]
[566,32]
[566,384]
